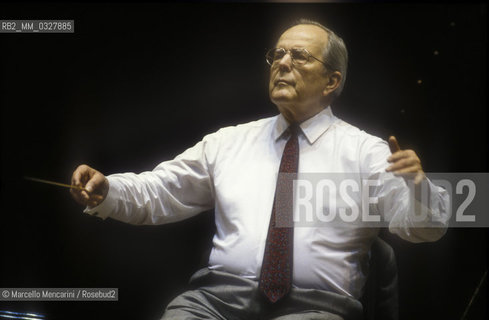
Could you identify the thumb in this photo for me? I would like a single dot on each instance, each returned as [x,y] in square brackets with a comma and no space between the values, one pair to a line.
[94,182]
[89,187]
[393,145]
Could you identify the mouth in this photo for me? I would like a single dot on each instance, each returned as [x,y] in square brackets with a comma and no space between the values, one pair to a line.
[283,82]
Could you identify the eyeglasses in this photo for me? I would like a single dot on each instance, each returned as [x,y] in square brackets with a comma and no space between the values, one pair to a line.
[299,56]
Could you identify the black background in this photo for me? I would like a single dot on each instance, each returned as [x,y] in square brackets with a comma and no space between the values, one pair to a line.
[137,84]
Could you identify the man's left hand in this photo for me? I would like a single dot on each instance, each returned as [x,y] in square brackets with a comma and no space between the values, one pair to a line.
[405,163]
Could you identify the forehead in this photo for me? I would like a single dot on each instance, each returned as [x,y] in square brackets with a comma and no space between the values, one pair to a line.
[304,36]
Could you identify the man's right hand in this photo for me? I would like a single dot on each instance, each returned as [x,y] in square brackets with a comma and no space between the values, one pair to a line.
[94,183]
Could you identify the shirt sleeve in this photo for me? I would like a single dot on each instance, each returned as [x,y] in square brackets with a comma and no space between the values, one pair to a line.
[407,217]
[173,191]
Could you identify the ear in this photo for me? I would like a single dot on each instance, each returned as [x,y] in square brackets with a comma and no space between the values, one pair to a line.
[334,80]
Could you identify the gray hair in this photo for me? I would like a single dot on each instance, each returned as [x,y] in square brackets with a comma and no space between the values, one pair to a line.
[335,54]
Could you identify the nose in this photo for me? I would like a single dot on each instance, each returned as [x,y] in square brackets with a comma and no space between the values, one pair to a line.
[285,64]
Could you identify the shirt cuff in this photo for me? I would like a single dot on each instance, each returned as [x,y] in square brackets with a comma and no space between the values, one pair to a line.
[105,208]
[430,215]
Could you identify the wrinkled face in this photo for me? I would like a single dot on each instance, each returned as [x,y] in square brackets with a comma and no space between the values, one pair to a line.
[299,89]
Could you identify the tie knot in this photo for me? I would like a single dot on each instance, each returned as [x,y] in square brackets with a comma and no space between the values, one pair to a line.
[294,129]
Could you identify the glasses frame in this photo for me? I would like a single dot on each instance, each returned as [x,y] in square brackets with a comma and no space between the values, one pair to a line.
[294,62]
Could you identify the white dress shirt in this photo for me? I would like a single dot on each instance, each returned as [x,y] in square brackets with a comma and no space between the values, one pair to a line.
[234,171]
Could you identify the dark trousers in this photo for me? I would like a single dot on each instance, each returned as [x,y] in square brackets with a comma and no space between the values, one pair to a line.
[221,295]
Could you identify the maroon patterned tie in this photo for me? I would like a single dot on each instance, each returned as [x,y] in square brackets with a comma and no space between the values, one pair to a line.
[276,271]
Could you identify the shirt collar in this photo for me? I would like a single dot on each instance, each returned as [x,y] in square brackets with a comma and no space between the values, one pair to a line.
[312,128]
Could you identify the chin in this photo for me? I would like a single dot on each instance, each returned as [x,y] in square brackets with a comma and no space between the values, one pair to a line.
[284,106]
[281,98]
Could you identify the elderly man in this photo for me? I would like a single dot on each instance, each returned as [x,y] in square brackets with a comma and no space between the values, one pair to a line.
[258,269]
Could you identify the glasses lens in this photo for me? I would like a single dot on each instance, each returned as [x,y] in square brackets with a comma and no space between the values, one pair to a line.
[299,56]
[278,54]
[275,55]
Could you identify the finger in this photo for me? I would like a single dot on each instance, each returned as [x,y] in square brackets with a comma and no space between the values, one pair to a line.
[76,177]
[80,175]
[399,164]
[402,163]
[84,198]
[95,200]
[407,170]
[419,177]
[393,145]
[77,196]
[399,155]
[95,182]
[92,204]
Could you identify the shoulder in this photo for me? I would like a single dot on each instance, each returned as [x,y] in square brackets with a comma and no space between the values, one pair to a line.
[246,130]
[370,151]
[231,140]
[359,137]
[255,125]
